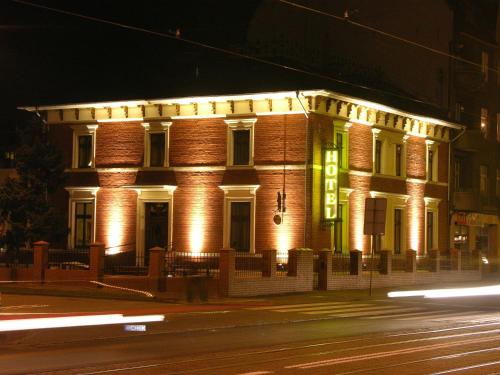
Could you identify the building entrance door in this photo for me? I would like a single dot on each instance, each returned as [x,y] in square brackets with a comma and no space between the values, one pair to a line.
[156,227]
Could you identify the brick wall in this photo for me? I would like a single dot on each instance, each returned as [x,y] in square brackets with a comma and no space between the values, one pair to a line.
[415,157]
[119,144]
[198,142]
[62,137]
[360,147]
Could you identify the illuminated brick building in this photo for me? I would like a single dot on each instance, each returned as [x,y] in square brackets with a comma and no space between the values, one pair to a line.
[203,173]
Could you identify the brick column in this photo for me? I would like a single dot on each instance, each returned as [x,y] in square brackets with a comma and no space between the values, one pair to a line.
[292,262]
[411,261]
[156,269]
[269,263]
[356,262]
[97,261]
[325,268]
[456,260]
[226,271]
[304,267]
[434,260]
[40,260]
[385,262]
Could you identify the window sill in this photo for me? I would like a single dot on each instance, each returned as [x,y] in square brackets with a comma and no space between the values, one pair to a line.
[401,178]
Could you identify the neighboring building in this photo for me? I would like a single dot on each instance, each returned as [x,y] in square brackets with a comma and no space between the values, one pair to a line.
[475,174]
[203,173]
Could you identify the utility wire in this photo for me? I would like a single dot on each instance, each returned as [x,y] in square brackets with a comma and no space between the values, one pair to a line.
[217,49]
[384,33]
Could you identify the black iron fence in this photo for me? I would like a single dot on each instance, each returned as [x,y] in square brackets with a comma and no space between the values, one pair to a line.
[72,259]
[371,263]
[125,263]
[341,264]
[182,264]
[248,265]
[19,258]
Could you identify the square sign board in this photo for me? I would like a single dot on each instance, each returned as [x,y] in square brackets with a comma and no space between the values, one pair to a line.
[375,209]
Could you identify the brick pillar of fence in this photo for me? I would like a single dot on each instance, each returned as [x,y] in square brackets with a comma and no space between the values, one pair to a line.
[456,260]
[356,262]
[325,268]
[156,268]
[411,261]
[226,271]
[385,262]
[434,265]
[292,262]
[40,260]
[97,261]
[269,263]
[305,268]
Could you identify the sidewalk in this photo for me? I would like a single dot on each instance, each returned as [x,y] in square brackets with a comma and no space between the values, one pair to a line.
[93,291]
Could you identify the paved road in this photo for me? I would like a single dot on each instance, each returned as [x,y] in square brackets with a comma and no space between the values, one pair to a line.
[306,334]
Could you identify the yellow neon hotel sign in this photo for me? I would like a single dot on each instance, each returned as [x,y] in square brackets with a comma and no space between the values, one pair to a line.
[330,183]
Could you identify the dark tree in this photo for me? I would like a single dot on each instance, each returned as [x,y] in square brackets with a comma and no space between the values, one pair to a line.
[25,201]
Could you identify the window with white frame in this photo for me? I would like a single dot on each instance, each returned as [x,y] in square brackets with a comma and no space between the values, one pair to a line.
[84,146]
[484,65]
[240,138]
[156,138]
[431,161]
[341,141]
[389,153]
[483,179]
[239,217]
[431,223]
[484,122]
[82,211]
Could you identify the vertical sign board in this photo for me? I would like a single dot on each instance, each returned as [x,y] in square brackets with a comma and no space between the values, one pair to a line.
[330,184]
[375,209]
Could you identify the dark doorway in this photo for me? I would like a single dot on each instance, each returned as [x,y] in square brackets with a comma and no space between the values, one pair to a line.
[240,226]
[156,227]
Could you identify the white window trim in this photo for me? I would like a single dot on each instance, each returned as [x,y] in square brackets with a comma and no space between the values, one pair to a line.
[431,146]
[76,195]
[79,130]
[393,201]
[240,124]
[238,193]
[152,128]
[151,194]
[388,153]
[432,205]
[341,127]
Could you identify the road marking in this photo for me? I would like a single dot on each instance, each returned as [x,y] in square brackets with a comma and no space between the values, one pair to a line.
[257,373]
[424,313]
[22,307]
[432,314]
[467,368]
[365,313]
[298,305]
[329,307]
[373,307]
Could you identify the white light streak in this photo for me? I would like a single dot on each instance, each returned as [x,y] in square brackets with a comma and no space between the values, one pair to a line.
[447,293]
[75,321]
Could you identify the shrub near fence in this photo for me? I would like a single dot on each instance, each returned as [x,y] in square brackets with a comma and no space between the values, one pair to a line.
[21,258]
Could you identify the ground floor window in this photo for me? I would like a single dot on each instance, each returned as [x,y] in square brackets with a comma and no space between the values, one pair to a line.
[430,230]
[397,230]
[240,226]
[84,222]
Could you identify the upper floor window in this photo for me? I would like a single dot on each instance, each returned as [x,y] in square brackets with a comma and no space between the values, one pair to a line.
[398,160]
[484,121]
[156,144]
[340,141]
[378,156]
[84,146]
[240,141]
[483,179]
[498,127]
[432,161]
[498,182]
[484,65]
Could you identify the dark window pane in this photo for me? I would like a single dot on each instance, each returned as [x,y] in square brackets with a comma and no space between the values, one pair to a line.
[397,231]
[241,147]
[84,151]
[157,149]
[83,223]
[378,156]
[430,230]
[430,162]
[338,230]
[340,146]
[240,226]
[398,160]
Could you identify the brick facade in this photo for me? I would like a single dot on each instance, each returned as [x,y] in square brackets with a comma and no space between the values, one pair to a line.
[198,174]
